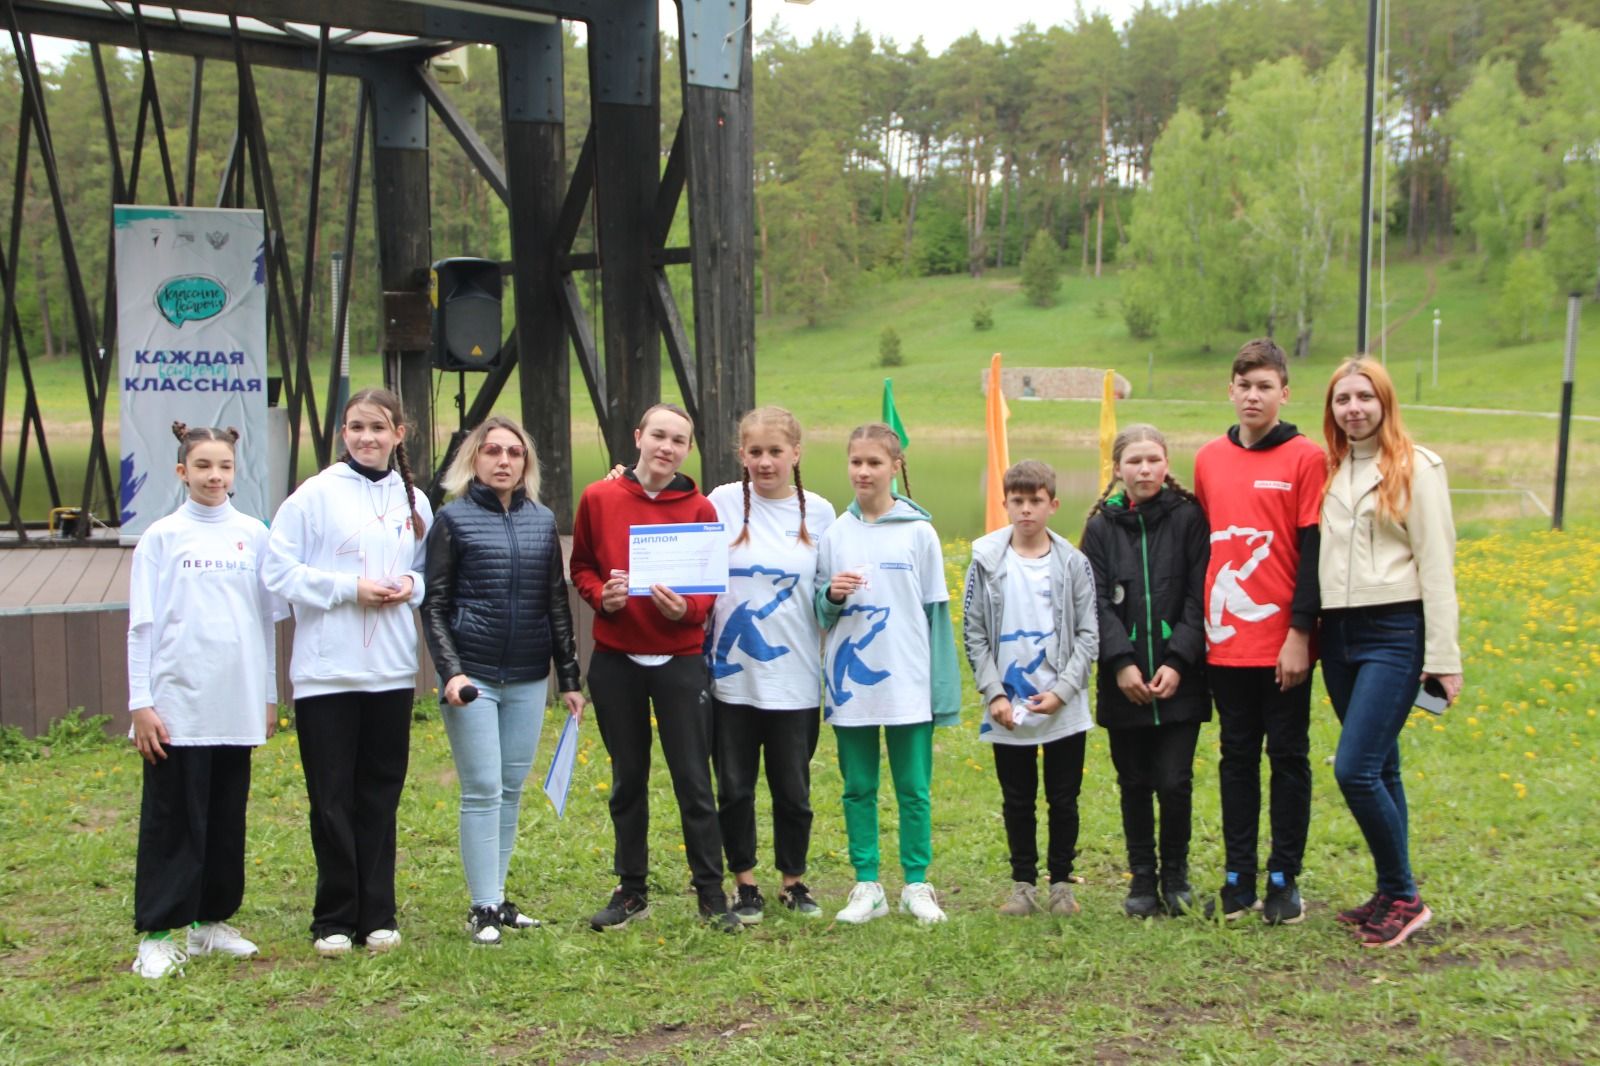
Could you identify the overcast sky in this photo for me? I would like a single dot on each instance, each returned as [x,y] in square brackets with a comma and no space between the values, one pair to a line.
[937,22]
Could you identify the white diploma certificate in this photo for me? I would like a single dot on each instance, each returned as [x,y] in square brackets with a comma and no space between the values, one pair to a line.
[687,557]
[559,778]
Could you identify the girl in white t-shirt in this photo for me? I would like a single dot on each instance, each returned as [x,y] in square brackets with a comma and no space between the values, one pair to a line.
[203,691]
[889,662]
[765,652]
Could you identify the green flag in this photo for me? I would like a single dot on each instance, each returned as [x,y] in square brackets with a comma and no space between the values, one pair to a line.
[892,416]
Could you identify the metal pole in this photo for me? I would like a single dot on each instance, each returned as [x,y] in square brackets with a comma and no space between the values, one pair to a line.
[1436,347]
[1366,178]
[343,398]
[1574,305]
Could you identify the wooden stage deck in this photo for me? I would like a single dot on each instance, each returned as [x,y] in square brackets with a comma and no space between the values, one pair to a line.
[64,635]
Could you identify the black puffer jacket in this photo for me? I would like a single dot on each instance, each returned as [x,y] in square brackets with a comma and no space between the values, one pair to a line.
[1149,574]
[496,605]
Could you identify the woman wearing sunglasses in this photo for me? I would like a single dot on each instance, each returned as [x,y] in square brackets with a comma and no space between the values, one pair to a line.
[495,615]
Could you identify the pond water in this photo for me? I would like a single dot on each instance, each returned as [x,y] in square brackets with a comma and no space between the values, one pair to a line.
[946,476]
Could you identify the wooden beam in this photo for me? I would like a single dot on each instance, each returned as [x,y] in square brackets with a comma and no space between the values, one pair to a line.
[405,251]
[627,179]
[478,152]
[535,166]
[721,154]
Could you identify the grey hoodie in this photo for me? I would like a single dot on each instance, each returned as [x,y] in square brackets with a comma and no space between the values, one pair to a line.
[1075,643]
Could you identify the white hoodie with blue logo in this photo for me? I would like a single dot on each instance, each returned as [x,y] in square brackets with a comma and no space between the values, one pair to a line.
[889,657]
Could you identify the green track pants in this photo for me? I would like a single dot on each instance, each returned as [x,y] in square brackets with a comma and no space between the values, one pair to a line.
[911,765]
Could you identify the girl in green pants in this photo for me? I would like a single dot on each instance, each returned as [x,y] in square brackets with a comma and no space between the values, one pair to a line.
[889,662]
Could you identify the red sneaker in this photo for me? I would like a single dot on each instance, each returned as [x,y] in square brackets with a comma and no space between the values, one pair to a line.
[1396,921]
[1359,916]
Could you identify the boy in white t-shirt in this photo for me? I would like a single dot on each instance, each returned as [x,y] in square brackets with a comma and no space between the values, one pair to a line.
[1031,634]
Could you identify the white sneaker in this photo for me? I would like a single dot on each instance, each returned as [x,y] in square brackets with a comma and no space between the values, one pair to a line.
[219,938]
[867,902]
[380,940]
[917,900]
[333,945]
[158,958]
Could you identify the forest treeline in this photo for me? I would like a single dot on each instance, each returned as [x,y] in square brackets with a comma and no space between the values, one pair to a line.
[1211,150]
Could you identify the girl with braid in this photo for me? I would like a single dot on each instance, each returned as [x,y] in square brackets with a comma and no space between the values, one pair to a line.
[766,656]
[1148,543]
[201,668]
[347,551]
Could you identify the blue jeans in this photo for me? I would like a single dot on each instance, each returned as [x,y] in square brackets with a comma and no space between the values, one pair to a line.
[492,740]
[1372,665]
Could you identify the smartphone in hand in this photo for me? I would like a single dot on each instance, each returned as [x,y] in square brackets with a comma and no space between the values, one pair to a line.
[1431,697]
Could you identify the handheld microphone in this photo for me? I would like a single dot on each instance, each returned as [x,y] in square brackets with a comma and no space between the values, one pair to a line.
[468,693]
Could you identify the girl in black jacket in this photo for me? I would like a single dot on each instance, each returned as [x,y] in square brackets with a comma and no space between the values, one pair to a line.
[495,614]
[1149,544]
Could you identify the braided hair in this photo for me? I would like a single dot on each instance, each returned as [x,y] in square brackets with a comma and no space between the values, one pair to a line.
[1138,432]
[389,404]
[188,438]
[785,422]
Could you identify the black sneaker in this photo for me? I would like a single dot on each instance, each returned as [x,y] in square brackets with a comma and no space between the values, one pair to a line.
[626,905]
[512,918]
[750,906]
[483,923]
[714,909]
[1234,901]
[797,897]
[1283,906]
[1177,898]
[1142,901]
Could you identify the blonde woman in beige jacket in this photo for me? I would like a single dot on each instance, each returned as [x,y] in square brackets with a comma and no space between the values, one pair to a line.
[1387,570]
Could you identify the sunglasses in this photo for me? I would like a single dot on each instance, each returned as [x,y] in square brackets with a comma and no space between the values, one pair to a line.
[493,450]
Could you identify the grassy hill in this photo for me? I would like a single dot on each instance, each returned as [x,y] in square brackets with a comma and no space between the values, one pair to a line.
[828,375]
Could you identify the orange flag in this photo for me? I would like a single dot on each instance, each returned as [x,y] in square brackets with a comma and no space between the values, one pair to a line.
[994,497]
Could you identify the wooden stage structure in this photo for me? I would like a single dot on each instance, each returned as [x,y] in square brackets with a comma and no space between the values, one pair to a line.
[63,611]
[64,636]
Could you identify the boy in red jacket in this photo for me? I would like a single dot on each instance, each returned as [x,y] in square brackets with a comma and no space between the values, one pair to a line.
[1261,487]
[647,651]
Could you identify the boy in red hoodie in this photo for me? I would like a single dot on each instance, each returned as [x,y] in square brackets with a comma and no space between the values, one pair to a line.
[648,651]
[1261,487]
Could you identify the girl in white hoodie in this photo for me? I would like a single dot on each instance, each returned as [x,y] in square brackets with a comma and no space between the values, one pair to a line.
[347,551]
[200,671]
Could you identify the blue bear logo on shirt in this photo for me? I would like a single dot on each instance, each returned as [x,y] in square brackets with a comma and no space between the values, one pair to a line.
[847,661]
[1017,682]
[741,632]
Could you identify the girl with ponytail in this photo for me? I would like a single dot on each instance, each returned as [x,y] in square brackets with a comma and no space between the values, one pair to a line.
[201,668]
[347,551]
[765,653]
[1148,543]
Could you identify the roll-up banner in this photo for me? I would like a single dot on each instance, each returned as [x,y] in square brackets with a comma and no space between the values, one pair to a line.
[191,347]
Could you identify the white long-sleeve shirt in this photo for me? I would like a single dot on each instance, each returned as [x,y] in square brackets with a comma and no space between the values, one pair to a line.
[337,528]
[201,643]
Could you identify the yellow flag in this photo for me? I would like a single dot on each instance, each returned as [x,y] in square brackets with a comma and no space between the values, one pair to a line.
[1108,426]
[994,497]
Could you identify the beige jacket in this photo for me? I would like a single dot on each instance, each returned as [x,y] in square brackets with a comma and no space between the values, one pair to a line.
[1367,560]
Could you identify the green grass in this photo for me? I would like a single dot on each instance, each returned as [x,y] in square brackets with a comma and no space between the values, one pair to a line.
[1503,838]
[829,376]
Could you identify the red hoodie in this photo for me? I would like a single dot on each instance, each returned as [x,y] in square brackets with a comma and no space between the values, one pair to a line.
[600,545]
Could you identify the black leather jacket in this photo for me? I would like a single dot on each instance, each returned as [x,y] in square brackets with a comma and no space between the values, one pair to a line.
[496,605]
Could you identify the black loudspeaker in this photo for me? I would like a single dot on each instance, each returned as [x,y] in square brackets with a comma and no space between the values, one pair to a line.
[466,314]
